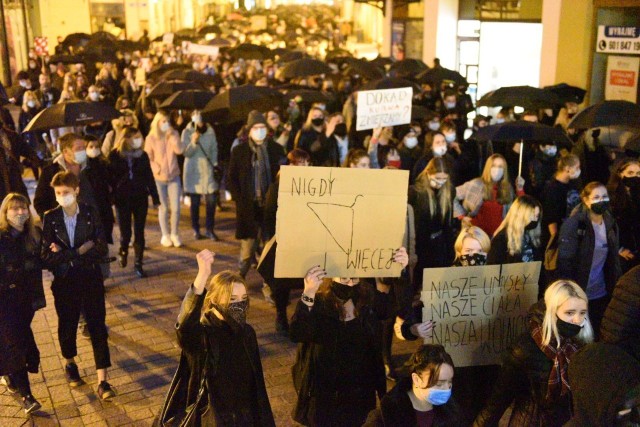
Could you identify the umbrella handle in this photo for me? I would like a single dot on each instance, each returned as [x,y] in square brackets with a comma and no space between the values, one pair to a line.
[520,161]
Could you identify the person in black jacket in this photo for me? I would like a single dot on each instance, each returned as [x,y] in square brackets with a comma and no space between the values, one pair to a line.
[424,398]
[220,355]
[73,245]
[541,168]
[98,175]
[588,249]
[11,148]
[132,182]
[339,366]
[533,378]
[312,138]
[21,294]
[252,168]
[518,237]
[31,107]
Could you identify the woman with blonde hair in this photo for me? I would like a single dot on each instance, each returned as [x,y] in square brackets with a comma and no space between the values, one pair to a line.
[219,379]
[163,145]
[518,237]
[357,158]
[21,294]
[471,247]
[534,378]
[312,138]
[484,201]
[132,183]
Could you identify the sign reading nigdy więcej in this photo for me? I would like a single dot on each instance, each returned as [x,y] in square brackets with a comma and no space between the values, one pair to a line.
[479,311]
[384,107]
[615,39]
[348,221]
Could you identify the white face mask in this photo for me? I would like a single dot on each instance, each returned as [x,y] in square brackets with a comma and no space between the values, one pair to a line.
[94,96]
[31,104]
[551,151]
[17,221]
[434,125]
[575,175]
[196,119]
[437,184]
[499,121]
[450,137]
[165,126]
[93,152]
[66,201]
[439,151]
[259,134]
[136,143]
[450,105]
[80,156]
[496,173]
[411,142]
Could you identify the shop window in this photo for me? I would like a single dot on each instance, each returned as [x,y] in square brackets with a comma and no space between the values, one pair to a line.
[501,10]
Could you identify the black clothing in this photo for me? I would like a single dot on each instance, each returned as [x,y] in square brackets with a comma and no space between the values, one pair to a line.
[625,207]
[316,144]
[45,197]
[540,170]
[499,252]
[10,171]
[409,156]
[558,201]
[48,97]
[422,162]
[98,176]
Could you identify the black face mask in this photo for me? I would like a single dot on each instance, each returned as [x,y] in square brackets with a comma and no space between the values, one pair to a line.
[566,329]
[531,226]
[345,292]
[238,311]
[318,122]
[600,208]
[475,259]
[340,130]
[633,182]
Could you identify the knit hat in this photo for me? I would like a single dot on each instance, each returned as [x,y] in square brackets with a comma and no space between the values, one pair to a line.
[402,131]
[255,118]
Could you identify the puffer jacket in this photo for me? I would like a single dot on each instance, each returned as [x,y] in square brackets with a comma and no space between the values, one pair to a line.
[200,158]
[163,155]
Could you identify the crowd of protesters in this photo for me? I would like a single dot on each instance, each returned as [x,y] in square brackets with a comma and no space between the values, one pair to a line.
[562,202]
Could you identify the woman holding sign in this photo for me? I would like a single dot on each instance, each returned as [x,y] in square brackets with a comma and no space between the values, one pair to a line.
[534,375]
[339,366]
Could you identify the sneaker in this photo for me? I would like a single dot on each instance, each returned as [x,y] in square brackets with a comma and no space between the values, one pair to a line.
[105,392]
[30,404]
[5,381]
[175,240]
[166,242]
[72,374]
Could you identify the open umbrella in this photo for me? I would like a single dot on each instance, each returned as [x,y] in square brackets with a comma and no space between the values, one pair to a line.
[292,56]
[607,113]
[338,53]
[308,96]
[632,147]
[435,77]
[305,67]
[161,69]
[192,76]
[251,51]
[209,29]
[129,46]
[389,83]
[522,130]
[363,68]
[382,61]
[407,68]
[568,93]
[167,88]
[219,42]
[66,59]
[236,103]
[76,40]
[103,35]
[188,100]
[186,32]
[523,96]
[73,113]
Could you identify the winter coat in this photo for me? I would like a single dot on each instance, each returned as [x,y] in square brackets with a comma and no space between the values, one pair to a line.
[499,252]
[113,135]
[21,294]
[396,410]
[98,174]
[139,185]
[620,324]
[523,381]
[198,170]
[470,197]
[314,372]
[163,155]
[316,144]
[240,184]
[193,333]
[576,245]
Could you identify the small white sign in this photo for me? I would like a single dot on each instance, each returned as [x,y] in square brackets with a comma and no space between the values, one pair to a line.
[622,78]
[384,107]
[167,38]
[200,49]
[618,39]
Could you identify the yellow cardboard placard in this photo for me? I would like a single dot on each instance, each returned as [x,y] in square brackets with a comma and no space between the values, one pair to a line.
[479,311]
[348,221]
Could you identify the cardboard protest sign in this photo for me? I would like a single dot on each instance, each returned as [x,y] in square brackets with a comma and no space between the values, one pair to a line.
[479,311]
[200,49]
[349,221]
[384,107]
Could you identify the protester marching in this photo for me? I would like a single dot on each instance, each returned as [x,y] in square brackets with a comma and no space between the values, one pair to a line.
[500,249]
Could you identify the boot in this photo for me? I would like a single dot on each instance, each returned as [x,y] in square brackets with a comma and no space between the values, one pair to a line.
[282,324]
[122,256]
[139,252]
[139,271]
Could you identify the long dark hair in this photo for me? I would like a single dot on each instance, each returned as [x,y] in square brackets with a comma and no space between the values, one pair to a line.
[620,197]
[335,306]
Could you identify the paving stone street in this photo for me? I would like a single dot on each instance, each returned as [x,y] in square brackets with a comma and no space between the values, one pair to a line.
[144,354]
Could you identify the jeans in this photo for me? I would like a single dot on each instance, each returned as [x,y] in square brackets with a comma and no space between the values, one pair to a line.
[169,192]
[136,207]
[210,201]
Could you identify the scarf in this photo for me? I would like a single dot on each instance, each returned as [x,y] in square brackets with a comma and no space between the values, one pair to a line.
[260,164]
[558,383]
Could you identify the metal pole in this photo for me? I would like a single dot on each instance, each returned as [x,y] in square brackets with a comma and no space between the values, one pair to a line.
[6,60]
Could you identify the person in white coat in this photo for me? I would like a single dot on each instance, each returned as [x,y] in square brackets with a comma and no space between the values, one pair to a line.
[201,158]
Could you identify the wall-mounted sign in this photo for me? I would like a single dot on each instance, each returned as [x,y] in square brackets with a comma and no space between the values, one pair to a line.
[622,78]
[618,39]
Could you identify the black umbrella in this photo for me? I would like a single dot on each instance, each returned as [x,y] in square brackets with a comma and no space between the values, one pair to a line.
[251,51]
[363,68]
[522,131]
[607,113]
[99,53]
[382,61]
[73,113]
[161,69]
[219,42]
[177,39]
[167,88]
[76,40]
[66,59]
[103,35]
[236,103]
[186,32]
[568,93]
[523,96]
[389,83]
[129,46]
[435,77]
[209,29]
[308,96]
[292,56]
[192,76]
[407,68]
[632,147]
[338,53]
[188,100]
[305,67]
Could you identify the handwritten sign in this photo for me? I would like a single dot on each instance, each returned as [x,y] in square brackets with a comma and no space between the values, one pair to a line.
[349,221]
[200,49]
[479,311]
[384,107]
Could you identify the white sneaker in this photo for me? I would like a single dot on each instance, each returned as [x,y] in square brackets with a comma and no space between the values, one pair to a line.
[166,242]
[176,240]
